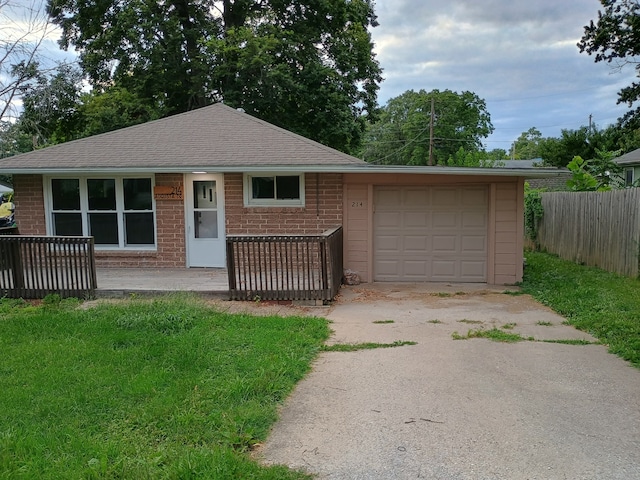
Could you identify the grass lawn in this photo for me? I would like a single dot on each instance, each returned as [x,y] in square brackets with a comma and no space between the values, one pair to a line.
[145,389]
[601,303]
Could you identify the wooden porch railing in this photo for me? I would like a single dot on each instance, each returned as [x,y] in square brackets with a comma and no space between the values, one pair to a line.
[285,267]
[33,267]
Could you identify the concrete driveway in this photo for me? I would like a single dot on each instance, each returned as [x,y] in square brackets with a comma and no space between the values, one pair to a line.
[458,409]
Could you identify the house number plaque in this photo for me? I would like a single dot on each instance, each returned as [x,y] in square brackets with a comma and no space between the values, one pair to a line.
[168,192]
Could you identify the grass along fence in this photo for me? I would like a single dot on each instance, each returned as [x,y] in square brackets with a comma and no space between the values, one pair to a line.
[600,229]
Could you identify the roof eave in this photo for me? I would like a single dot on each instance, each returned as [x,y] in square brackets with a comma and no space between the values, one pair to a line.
[387,169]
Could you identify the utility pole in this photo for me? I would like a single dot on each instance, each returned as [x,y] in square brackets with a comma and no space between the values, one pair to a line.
[590,117]
[433,114]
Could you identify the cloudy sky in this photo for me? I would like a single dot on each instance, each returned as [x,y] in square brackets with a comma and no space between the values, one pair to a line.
[520,56]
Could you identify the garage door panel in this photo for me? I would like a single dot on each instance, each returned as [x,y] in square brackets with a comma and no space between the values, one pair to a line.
[430,233]
[413,197]
[473,270]
[388,268]
[388,197]
[443,269]
[474,220]
[474,243]
[414,219]
[445,220]
[390,220]
[474,197]
[389,244]
[415,268]
[445,244]
[444,196]
[416,244]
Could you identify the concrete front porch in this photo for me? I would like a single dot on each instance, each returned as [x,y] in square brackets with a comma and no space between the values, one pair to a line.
[120,282]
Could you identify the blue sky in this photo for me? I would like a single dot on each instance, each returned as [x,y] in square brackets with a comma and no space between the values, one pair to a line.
[518,55]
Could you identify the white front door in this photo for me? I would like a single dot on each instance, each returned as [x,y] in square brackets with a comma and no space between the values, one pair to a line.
[204,199]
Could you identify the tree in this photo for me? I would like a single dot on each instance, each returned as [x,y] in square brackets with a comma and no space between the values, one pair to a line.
[498,154]
[307,66]
[50,106]
[403,133]
[586,142]
[23,27]
[526,146]
[113,109]
[615,38]
[464,158]
[598,174]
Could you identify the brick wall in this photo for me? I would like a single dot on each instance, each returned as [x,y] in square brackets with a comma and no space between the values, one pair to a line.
[322,210]
[29,201]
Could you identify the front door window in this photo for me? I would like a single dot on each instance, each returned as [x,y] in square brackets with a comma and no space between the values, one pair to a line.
[205,209]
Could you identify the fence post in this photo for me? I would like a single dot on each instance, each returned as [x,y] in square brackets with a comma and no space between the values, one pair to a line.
[15,261]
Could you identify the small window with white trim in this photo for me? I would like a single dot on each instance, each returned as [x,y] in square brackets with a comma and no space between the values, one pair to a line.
[274,189]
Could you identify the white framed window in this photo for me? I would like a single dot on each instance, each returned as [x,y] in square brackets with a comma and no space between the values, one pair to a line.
[119,212]
[628,177]
[281,189]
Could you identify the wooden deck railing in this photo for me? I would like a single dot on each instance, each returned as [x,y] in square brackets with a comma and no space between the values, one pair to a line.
[285,267]
[33,267]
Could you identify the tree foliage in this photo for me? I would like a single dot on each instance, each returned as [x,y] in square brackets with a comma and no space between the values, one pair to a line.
[585,142]
[527,145]
[50,106]
[615,38]
[307,66]
[402,135]
[598,174]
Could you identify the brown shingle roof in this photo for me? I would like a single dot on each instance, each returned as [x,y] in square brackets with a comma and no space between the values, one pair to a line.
[209,137]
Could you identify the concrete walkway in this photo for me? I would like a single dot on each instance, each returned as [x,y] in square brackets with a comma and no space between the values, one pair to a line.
[459,409]
[119,282]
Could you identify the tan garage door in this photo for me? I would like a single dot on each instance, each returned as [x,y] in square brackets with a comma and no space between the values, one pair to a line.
[430,233]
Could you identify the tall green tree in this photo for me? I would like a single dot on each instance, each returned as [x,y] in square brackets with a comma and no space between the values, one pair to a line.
[615,38]
[527,145]
[586,142]
[115,108]
[402,136]
[50,106]
[307,65]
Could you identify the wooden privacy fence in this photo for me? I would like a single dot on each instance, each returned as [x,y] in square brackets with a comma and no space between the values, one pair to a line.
[285,267]
[33,267]
[600,229]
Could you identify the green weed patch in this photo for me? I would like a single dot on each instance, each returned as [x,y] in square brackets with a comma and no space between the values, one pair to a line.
[601,303]
[354,347]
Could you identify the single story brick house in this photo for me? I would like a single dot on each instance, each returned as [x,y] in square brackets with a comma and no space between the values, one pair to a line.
[167,192]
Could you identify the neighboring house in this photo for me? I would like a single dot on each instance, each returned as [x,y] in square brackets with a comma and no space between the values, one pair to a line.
[165,194]
[630,163]
[554,183]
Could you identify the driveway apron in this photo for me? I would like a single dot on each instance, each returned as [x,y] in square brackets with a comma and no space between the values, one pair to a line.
[450,408]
